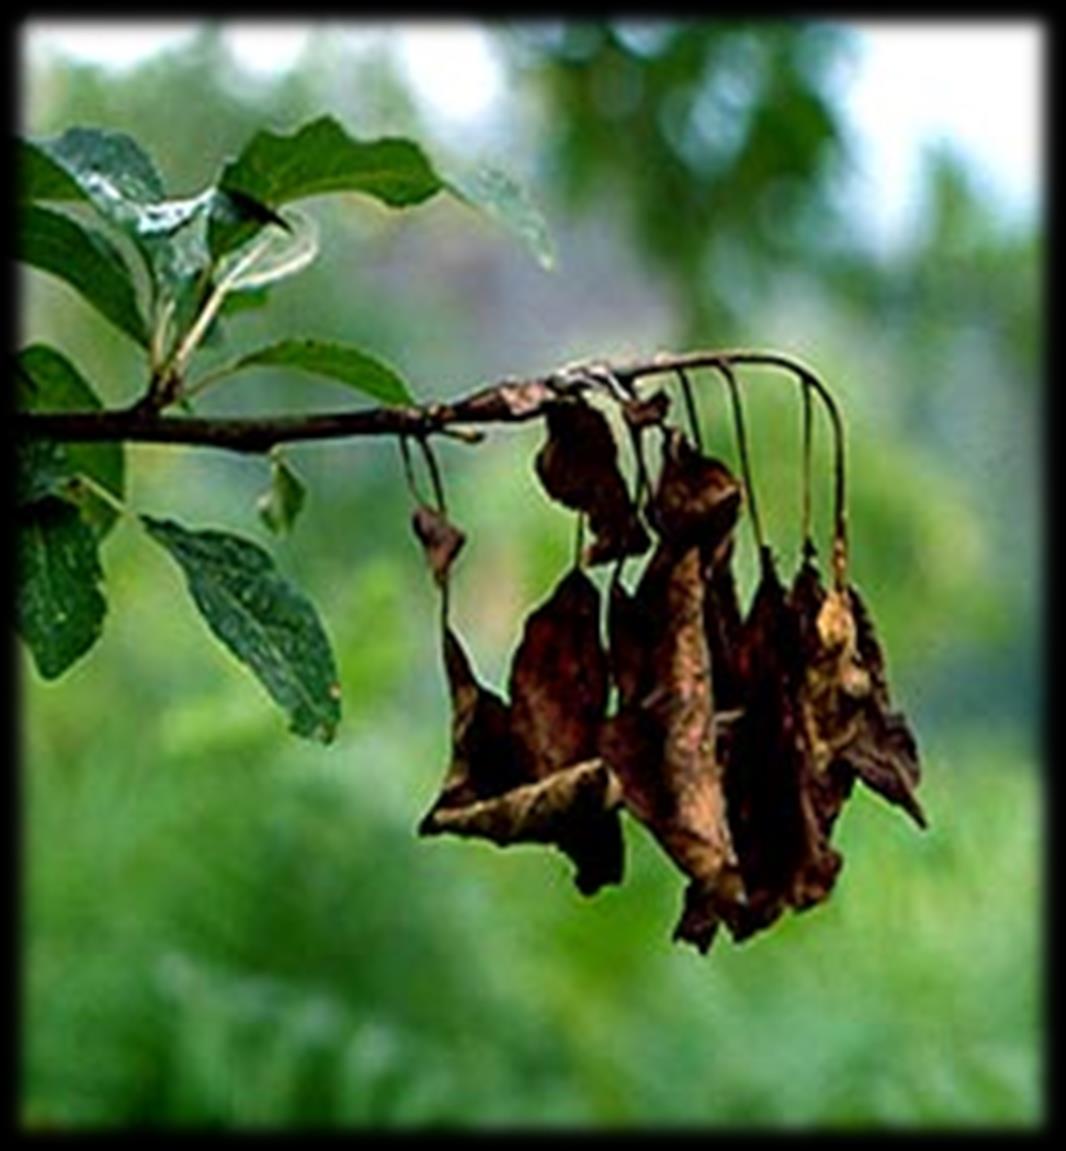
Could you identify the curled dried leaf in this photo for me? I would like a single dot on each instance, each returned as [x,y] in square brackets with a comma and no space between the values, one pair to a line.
[483,761]
[846,705]
[578,466]
[661,744]
[885,756]
[765,764]
[558,683]
[441,540]
[559,686]
[514,775]
[648,412]
[538,812]
[698,498]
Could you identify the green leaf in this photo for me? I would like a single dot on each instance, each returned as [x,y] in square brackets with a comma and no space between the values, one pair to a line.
[498,195]
[318,158]
[42,468]
[40,177]
[87,261]
[233,208]
[244,300]
[337,361]
[283,501]
[108,169]
[265,622]
[59,610]
[48,382]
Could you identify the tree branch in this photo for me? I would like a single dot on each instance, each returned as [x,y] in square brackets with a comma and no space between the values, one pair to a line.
[507,402]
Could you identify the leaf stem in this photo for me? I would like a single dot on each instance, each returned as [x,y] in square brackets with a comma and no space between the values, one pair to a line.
[733,386]
[86,481]
[805,512]
[690,409]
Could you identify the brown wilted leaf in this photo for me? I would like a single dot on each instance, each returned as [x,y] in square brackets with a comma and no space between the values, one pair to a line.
[558,692]
[441,540]
[698,498]
[483,762]
[558,682]
[527,772]
[885,754]
[578,466]
[647,412]
[773,827]
[550,810]
[847,710]
[661,744]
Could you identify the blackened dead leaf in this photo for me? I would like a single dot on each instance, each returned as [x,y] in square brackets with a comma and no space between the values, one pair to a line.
[723,624]
[578,466]
[765,763]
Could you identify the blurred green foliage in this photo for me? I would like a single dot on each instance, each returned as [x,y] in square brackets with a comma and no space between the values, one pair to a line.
[223,927]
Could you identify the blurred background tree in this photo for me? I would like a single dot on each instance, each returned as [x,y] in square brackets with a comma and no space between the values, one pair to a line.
[223,927]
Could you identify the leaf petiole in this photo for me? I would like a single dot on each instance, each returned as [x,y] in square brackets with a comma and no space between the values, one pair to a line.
[82,480]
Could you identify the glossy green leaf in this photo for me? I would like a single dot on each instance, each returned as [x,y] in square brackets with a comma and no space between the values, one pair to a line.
[499,196]
[46,381]
[268,624]
[109,169]
[59,610]
[85,260]
[321,157]
[283,501]
[337,361]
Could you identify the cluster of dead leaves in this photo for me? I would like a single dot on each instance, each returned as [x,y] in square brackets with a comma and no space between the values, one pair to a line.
[734,738]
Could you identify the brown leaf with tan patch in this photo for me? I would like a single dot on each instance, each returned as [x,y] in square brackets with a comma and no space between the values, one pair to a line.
[847,708]
[661,744]
[578,466]
[885,755]
[552,810]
